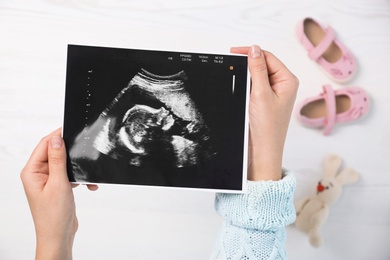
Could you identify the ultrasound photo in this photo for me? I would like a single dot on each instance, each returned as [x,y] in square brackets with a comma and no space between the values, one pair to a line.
[156,118]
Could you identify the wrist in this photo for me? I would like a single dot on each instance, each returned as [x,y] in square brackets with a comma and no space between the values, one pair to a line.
[264,165]
[54,249]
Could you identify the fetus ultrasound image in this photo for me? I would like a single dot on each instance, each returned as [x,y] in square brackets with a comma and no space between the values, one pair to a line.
[155,118]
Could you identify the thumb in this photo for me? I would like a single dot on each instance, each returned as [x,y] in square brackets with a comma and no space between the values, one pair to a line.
[258,69]
[57,160]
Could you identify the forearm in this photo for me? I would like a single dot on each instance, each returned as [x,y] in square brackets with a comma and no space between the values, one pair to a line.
[265,203]
[264,163]
[265,166]
[266,154]
[256,220]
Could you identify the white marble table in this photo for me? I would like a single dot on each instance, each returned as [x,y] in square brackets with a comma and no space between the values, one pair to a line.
[139,223]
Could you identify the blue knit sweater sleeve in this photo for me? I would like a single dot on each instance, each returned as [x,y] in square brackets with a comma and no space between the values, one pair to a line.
[254,222]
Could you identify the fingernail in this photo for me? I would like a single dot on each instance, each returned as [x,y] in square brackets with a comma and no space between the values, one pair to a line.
[56,142]
[255,51]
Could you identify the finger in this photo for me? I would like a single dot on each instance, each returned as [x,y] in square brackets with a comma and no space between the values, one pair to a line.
[37,162]
[92,187]
[35,168]
[275,66]
[38,159]
[240,50]
[39,155]
[279,73]
[57,160]
[258,68]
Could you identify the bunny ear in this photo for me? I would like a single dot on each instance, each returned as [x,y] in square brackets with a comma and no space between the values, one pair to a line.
[332,164]
[347,176]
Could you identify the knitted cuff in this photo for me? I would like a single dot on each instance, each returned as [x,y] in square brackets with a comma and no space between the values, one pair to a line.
[267,205]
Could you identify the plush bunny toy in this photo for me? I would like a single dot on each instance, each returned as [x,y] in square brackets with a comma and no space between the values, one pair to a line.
[313,212]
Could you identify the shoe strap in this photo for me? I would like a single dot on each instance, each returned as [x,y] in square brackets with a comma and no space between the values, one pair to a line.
[330,102]
[318,50]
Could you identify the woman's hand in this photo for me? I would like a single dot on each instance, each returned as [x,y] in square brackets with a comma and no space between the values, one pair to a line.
[273,92]
[50,197]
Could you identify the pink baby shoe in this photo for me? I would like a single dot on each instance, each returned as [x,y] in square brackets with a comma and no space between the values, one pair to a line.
[323,47]
[333,106]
